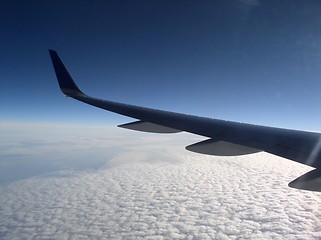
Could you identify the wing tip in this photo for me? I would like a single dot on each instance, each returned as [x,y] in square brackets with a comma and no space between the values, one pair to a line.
[51,50]
[66,82]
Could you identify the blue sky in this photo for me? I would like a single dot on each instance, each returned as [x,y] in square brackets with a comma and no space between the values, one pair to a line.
[244,60]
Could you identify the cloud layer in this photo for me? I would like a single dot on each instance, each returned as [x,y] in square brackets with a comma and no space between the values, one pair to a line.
[196,197]
[161,191]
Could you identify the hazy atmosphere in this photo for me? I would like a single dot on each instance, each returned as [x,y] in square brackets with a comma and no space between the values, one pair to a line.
[67,171]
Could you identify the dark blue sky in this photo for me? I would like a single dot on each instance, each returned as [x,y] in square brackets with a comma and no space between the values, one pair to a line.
[244,60]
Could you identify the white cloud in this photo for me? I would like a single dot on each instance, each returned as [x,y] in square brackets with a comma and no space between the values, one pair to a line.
[155,189]
[202,197]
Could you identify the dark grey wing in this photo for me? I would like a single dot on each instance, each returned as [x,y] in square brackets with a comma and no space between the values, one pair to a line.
[225,137]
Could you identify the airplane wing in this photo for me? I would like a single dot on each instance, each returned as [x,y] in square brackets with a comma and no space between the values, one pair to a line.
[225,138]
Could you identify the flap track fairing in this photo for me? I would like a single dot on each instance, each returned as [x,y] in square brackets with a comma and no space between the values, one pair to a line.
[148,127]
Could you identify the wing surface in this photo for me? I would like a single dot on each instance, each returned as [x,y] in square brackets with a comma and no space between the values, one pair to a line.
[224,137]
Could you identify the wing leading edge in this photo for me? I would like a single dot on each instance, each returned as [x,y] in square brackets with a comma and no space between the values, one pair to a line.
[225,137]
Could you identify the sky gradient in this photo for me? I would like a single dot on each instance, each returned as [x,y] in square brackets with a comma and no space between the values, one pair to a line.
[246,60]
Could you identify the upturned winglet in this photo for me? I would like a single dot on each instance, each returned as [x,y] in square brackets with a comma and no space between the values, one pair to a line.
[66,83]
